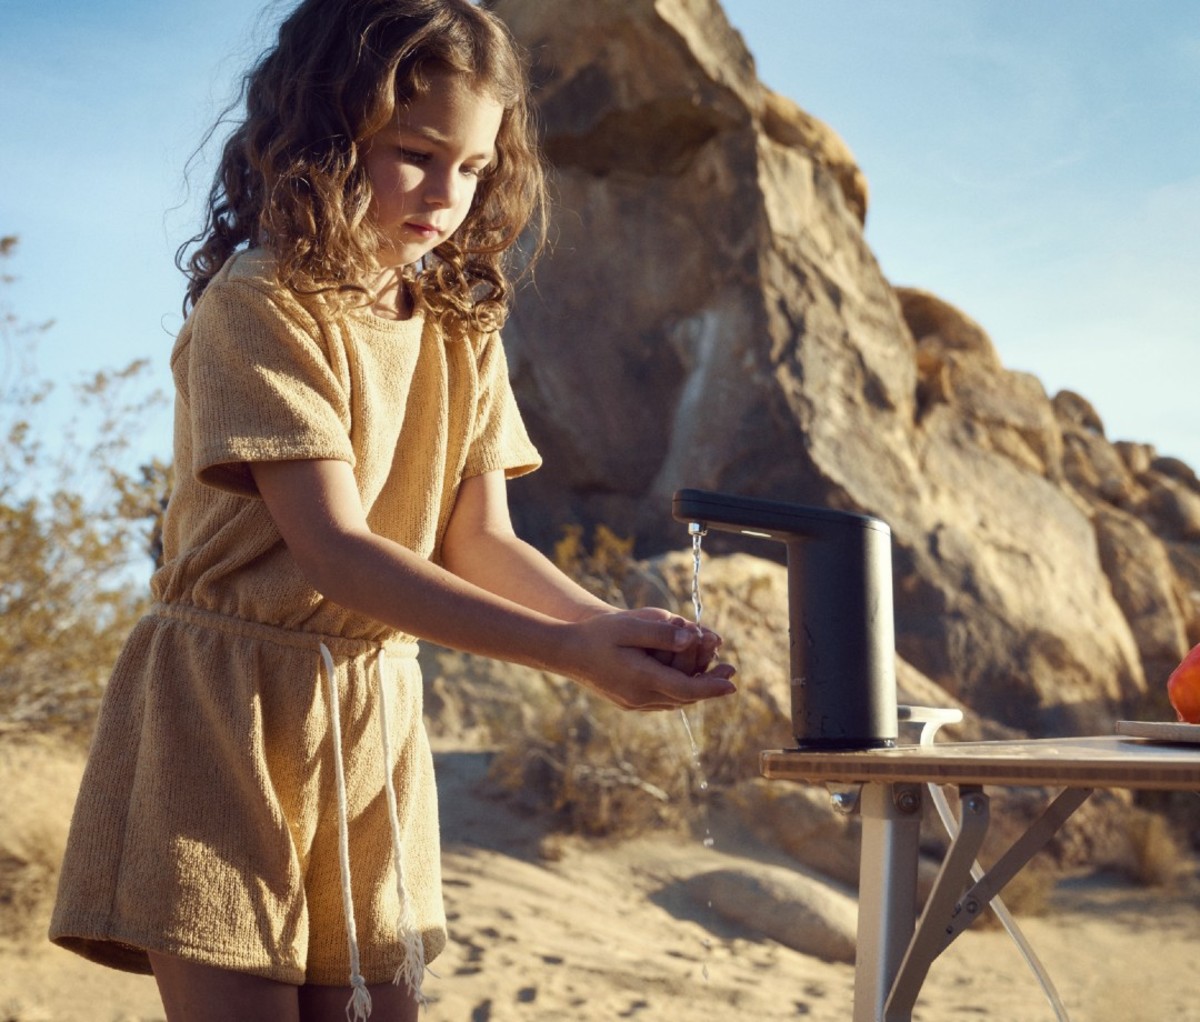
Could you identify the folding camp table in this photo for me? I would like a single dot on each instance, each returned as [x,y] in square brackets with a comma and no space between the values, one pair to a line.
[887,788]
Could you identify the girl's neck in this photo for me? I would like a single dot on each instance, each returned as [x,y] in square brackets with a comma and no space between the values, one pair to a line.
[392,297]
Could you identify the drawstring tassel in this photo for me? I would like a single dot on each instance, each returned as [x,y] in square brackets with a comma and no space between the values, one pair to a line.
[411,971]
[359,1007]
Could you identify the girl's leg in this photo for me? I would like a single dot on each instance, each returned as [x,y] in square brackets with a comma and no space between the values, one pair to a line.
[328,1004]
[201,993]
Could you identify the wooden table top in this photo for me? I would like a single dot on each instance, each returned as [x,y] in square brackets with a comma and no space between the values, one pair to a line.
[1106,761]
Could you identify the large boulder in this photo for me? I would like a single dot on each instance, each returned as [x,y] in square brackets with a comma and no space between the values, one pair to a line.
[800,912]
[711,316]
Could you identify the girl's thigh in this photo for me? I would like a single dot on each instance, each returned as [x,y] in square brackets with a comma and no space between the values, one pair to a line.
[328,1004]
[201,993]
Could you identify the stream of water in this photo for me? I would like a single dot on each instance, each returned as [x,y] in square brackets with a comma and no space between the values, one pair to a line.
[697,612]
[697,765]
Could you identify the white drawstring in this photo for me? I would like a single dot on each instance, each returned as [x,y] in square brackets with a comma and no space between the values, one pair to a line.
[411,970]
[412,967]
[359,1007]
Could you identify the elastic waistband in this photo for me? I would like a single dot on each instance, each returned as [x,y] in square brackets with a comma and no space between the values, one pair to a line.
[340,645]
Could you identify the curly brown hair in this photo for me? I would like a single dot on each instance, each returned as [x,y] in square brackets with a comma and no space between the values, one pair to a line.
[291,177]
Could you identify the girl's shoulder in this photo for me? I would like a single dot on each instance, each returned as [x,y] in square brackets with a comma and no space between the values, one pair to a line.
[247,290]
[255,269]
[250,278]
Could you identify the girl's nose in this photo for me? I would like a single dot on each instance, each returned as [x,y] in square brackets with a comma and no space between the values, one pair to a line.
[441,189]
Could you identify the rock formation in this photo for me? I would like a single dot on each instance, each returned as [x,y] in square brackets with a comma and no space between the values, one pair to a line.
[711,316]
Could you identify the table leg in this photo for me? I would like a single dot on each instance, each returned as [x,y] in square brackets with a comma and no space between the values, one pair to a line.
[887,891]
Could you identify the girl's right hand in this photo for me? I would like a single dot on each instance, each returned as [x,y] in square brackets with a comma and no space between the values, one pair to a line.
[617,655]
[698,655]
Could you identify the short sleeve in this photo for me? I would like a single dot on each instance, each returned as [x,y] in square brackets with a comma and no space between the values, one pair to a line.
[500,440]
[261,386]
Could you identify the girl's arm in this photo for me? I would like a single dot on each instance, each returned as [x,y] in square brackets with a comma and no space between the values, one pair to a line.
[482,547]
[315,505]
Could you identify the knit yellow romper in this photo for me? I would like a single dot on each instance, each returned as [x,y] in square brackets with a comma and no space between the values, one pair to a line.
[207,825]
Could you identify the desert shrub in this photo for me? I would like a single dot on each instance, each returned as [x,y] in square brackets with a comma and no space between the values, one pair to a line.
[38,780]
[76,522]
[1152,858]
[596,770]
[604,568]
[1027,894]
[601,771]
[1155,856]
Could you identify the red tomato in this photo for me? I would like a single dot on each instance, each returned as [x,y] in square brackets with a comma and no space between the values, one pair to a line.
[1183,688]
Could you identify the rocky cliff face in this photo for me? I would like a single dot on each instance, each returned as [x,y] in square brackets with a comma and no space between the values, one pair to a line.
[711,316]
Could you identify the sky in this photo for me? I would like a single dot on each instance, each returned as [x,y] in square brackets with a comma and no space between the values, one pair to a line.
[1034,162]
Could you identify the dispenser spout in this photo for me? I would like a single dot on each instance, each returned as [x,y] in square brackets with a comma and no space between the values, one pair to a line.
[840,617]
[770,519]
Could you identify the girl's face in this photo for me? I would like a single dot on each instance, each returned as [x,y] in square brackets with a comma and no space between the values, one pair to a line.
[424,168]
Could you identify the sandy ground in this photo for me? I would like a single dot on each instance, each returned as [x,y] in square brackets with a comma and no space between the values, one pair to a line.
[552,929]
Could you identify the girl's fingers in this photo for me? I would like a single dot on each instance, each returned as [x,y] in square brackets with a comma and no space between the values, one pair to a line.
[673,688]
[697,655]
[655,661]
[674,636]
[653,686]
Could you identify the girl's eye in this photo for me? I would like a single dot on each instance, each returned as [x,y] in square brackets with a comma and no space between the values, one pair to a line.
[409,156]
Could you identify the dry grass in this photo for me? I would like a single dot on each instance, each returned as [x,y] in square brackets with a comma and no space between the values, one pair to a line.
[38,781]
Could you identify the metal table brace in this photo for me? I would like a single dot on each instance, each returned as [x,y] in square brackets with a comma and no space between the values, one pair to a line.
[902,954]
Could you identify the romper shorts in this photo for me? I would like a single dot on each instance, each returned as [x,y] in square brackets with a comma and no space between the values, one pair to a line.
[207,821]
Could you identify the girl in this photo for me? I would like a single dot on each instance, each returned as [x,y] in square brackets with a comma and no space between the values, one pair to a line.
[258,820]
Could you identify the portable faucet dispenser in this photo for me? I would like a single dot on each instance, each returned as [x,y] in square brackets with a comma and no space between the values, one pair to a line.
[840,623]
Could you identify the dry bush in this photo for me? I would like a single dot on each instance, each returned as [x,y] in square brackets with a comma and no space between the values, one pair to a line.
[1152,858]
[601,771]
[73,527]
[595,769]
[1135,843]
[38,781]
[603,570]
[1027,894]
[1156,858]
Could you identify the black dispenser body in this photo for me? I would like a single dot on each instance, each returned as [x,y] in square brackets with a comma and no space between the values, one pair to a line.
[840,619]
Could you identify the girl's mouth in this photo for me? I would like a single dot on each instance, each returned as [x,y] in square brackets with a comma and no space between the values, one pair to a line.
[424,230]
